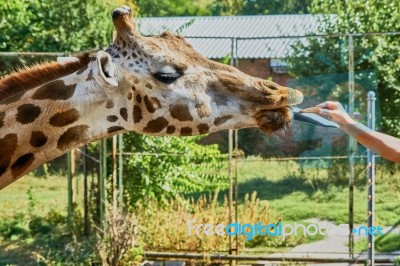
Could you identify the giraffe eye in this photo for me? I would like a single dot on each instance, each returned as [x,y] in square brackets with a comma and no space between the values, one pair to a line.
[167,78]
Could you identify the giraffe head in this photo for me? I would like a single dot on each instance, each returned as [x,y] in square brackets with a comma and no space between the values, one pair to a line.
[178,91]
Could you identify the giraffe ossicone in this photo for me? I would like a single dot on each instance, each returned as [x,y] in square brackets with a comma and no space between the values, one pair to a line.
[152,85]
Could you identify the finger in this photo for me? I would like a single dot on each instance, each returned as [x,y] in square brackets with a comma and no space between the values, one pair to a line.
[327,113]
[323,104]
[314,110]
[330,105]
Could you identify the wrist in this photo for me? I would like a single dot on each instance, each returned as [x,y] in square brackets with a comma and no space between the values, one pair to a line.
[346,122]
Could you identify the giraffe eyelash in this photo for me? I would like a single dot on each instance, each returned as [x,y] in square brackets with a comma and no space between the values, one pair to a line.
[167,78]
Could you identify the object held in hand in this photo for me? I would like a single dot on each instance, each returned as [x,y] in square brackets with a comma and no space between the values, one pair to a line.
[308,115]
[314,110]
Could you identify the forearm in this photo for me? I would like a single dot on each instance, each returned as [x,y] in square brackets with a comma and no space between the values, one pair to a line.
[384,145]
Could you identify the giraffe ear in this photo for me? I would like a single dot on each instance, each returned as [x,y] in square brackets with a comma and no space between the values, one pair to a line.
[107,69]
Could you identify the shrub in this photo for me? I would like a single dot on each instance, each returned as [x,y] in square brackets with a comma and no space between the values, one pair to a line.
[163,168]
[167,228]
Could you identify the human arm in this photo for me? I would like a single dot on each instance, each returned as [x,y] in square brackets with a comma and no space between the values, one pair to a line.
[385,145]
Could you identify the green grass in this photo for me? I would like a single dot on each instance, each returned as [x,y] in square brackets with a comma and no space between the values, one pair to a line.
[384,244]
[298,195]
[50,193]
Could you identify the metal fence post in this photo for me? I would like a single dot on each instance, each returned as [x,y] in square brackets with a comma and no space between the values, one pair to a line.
[371,179]
[351,147]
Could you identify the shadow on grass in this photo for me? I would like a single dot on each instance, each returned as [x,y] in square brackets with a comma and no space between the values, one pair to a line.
[13,253]
[271,189]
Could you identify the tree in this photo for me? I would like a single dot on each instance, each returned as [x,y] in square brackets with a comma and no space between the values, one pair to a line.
[163,8]
[54,26]
[259,7]
[379,53]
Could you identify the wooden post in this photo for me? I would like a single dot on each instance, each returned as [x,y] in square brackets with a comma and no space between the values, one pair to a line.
[86,229]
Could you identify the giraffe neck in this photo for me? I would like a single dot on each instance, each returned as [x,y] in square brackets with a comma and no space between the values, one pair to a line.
[42,123]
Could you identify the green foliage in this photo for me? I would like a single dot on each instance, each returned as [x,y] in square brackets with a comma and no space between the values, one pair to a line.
[173,223]
[259,7]
[374,56]
[37,25]
[396,261]
[162,8]
[164,167]
[385,244]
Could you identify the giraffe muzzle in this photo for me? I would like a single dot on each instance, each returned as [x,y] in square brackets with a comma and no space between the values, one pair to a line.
[294,97]
[118,12]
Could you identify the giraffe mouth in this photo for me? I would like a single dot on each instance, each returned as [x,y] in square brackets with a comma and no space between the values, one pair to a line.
[273,120]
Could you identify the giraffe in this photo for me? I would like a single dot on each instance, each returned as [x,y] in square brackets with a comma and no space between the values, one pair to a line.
[152,85]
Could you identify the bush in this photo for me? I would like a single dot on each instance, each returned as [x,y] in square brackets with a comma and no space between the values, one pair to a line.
[167,228]
[164,167]
[116,242]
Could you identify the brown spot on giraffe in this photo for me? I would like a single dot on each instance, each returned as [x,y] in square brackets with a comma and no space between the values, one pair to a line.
[124,113]
[137,114]
[156,125]
[130,95]
[152,103]
[8,145]
[220,99]
[112,118]
[55,90]
[109,104]
[186,131]
[203,110]
[180,112]
[64,118]
[22,164]
[203,128]
[111,130]
[38,139]
[83,69]
[138,98]
[27,113]
[221,120]
[171,129]
[2,115]
[90,76]
[73,136]
[148,85]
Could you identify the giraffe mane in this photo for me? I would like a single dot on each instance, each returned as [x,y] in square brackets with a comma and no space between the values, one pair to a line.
[31,77]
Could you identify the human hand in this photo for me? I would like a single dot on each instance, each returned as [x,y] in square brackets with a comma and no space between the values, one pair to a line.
[331,110]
